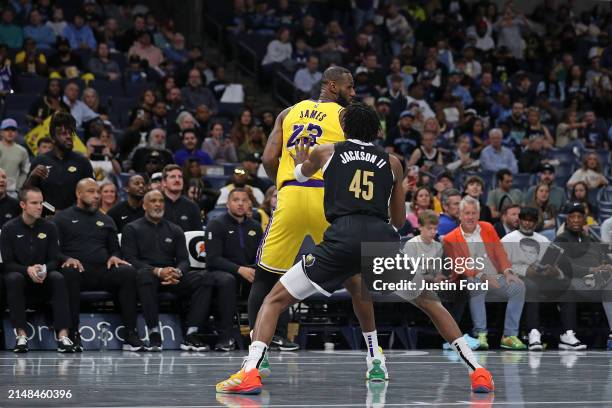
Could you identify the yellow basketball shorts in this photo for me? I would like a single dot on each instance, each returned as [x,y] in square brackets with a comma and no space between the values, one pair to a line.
[299,212]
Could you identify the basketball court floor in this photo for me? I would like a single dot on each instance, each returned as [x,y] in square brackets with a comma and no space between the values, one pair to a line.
[303,379]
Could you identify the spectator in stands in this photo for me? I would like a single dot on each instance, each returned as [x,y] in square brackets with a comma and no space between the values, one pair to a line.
[146,103]
[184,121]
[79,35]
[241,127]
[191,151]
[131,35]
[156,248]
[131,209]
[474,187]
[547,214]
[44,145]
[449,219]
[230,255]
[57,172]
[504,193]
[105,167]
[6,75]
[43,35]
[267,207]
[110,34]
[144,49]
[463,159]
[197,188]
[590,172]
[92,100]
[536,128]
[279,50]
[426,157]
[525,248]
[102,67]
[81,113]
[399,29]
[251,164]
[557,194]
[532,158]
[196,93]
[306,78]
[443,180]
[10,33]
[218,147]
[9,206]
[254,143]
[403,139]
[66,63]
[594,135]
[503,283]
[108,196]
[30,270]
[496,157]
[14,158]
[568,131]
[220,83]
[177,52]
[57,22]
[580,194]
[239,180]
[174,103]
[310,33]
[178,208]
[508,220]
[91,260]
[422,200]
[30,61]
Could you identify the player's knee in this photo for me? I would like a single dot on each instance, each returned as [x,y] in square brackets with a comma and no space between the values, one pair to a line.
[14,279]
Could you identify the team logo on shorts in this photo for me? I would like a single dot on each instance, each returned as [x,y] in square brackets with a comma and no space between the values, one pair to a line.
[42,235]
[309,260]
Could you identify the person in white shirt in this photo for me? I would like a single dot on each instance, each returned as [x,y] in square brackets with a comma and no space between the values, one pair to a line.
[280,49]
[525,248]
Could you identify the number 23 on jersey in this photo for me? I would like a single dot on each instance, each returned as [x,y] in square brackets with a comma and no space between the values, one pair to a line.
[314,132]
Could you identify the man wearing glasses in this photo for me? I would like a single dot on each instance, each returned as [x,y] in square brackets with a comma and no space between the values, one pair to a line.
[57,172]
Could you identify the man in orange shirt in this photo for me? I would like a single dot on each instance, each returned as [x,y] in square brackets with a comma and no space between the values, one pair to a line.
[478,240]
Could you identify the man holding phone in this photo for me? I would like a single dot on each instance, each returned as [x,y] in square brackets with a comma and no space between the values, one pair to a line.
[156,247]
[29,246]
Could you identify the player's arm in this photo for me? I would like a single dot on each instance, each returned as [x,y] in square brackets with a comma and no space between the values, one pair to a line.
[274,146]
[308,163]
[397,206]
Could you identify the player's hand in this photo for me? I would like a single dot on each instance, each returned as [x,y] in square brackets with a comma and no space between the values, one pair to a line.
[247,273]
[115,261]
[511,277]
[492,281]
[302,150]
[40,171]
[73,263]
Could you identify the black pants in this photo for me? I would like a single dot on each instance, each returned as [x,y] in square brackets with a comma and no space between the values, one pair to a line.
[567,310]
[224,284]
[121,281]
[21,287]
[262,285]
[191,286]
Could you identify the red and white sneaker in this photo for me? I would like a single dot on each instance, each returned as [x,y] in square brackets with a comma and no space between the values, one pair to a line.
[243,382]
[482,381]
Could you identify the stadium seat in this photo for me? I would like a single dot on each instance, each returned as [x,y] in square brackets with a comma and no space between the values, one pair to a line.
[31,85]
[108,88]
[523,181]
[217,181]
[20,101]
[216,213]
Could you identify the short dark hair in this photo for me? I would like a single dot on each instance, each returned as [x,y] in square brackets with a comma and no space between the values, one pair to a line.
[509,206]
[448,193]
[169,168]
[237,190]
[361,122]
[44,140]
[23,193]
[61,118]
[190,130]
[501,173]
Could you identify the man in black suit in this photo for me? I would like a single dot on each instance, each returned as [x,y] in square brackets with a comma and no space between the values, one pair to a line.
[509,220]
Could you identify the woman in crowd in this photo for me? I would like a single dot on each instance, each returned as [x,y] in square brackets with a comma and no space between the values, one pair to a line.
[108,196]
[49,103]
[422,200]
[536,128]
[255,142]
[218,147]
[591,173]
[463,158]
[547,221]
[241,127]
[580,193]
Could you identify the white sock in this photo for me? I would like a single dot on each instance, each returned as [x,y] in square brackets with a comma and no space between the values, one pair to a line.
[371,339]
[191,330]
[465,353]
[154,329]
[257,350]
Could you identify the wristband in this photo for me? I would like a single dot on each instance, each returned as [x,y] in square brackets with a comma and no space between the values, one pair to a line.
[298,174]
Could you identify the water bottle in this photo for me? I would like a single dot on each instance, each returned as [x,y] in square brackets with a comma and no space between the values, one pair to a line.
[104,336]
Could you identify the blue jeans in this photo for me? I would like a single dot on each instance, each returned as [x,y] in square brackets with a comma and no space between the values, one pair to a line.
[514,293]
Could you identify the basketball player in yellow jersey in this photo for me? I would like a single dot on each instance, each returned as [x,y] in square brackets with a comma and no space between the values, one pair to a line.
[299,211]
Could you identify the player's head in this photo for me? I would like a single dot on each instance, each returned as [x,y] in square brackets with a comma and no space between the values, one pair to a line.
[428,224]
[337,83]
[360,122]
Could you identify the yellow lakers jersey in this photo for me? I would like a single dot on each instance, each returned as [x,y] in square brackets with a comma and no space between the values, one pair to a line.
[317,119]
